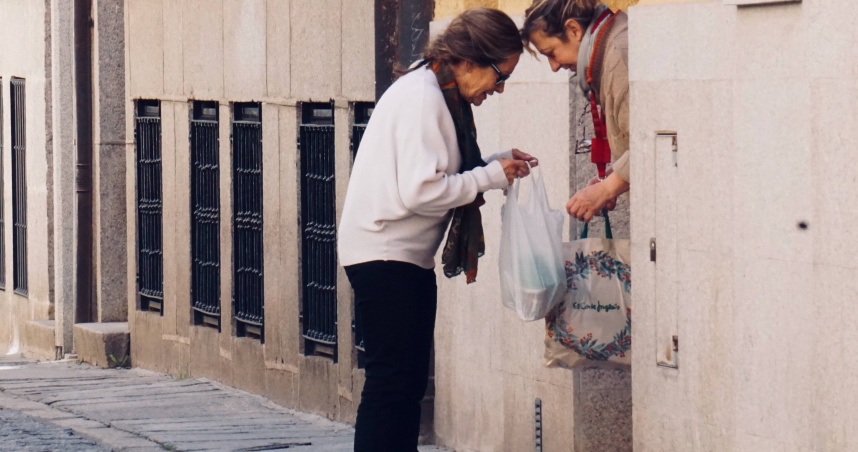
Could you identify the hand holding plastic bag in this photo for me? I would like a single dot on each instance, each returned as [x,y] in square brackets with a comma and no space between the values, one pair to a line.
[532,276]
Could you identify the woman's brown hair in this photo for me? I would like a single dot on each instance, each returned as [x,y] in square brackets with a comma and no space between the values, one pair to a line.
[482,36]
[550,16]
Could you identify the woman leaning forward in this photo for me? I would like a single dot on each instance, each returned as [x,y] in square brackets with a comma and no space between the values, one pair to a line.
[418,169]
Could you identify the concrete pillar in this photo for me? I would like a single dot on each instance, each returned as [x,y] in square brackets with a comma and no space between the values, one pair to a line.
[598,390]
[110,139]
[62,84]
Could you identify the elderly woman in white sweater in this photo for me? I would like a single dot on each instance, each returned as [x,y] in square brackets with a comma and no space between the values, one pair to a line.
[418,170]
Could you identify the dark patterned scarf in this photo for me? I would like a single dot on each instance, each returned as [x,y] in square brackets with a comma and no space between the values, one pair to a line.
[465,240]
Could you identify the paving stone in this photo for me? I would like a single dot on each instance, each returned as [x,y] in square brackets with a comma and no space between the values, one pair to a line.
[139,410]
[19,432]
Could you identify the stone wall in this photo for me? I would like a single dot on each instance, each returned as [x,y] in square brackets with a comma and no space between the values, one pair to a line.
[25,46]
[755,271]
[447,8]
[279,53]
[488,361]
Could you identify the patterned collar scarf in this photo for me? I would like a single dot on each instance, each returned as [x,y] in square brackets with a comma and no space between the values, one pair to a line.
[465,240]
[588,44]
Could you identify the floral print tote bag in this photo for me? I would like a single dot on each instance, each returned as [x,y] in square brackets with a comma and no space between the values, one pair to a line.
[593,324]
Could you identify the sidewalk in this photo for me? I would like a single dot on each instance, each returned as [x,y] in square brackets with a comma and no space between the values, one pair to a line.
[141,410]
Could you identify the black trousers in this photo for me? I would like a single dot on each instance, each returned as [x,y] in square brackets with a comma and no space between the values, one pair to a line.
[395,303]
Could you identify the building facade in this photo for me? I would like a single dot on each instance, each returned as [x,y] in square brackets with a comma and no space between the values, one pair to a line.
[173,171]
[245,116]
[63,212]
[490,382]
[26,163]
[754,272]
[186,163]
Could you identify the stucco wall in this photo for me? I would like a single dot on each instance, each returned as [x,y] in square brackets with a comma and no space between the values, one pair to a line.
[488,361]
[753,221]
[278,53]
[447,8]
[23,46]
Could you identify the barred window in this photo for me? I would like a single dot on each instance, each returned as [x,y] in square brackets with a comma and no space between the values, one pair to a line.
[361,113]
[247,219]
[2,221]
[19,186]
[318,220]
[150,262]
[205,214]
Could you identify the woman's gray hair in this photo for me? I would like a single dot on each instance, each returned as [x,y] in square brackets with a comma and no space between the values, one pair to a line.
[482,36]
[550,16]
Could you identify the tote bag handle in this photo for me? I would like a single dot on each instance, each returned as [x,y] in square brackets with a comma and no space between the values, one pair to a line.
[608,234]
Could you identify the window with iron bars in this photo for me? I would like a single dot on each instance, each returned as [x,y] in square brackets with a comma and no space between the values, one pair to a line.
[2,221]
[19,185]
[150,258]
[318,221]
[361,112]
[205,214]
[248,298]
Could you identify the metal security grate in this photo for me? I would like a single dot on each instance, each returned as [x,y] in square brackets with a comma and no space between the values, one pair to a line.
[150,259]
[318,218]
[205,215]
[362,112]
[2,223]
[19,185]
[247,219]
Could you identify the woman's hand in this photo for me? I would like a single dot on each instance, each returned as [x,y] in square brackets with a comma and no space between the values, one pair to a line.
[519,155]
[590,201]
[612,203]
[514,168]
[519,166]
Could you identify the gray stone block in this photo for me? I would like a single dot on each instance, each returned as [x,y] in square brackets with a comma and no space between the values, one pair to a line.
[104,345]
[316,50]
[603,410]
[146,53]
[358,50]
[110,72]
[244,47]
[38,339]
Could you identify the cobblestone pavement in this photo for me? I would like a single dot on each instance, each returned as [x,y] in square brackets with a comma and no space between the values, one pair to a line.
[140,410]
[19,432]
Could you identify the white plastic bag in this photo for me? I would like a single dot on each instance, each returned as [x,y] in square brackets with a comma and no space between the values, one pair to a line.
[532,276]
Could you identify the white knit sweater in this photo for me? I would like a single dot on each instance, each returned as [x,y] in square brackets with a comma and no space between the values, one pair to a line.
[404,182]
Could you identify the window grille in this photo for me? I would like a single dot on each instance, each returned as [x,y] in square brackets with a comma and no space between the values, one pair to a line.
[2,221]
[318,218]
[205,214]
[19,185]
[362,112]
[247,219]
[150,259]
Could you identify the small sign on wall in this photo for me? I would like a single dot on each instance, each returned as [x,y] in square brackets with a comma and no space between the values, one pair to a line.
[757,2]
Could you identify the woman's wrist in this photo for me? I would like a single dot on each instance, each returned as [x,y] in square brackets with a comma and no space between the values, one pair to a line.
[614,185]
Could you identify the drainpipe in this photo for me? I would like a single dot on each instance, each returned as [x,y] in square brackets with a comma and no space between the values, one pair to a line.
[401,35]
[84,305]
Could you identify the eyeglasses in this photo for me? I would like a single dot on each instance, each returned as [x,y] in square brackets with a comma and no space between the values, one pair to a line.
[501,76]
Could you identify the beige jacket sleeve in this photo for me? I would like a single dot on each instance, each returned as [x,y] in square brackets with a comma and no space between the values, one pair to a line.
[614,96]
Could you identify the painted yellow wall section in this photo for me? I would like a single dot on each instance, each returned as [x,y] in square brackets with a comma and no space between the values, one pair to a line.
[447,8]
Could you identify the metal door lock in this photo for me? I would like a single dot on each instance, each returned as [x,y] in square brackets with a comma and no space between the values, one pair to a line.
[652,250]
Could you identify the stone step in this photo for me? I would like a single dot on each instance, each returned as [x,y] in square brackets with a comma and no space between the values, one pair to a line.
[105,345]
